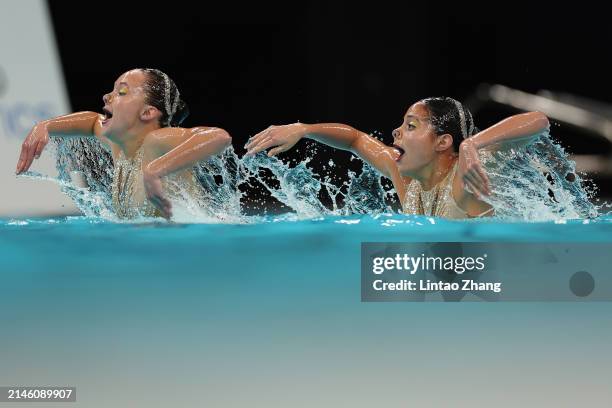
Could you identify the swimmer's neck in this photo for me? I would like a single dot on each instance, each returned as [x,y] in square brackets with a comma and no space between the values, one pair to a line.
[435,171]
[131,141]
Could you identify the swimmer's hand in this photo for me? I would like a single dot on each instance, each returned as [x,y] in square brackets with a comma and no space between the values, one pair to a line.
[32,147]
[153,188]
[471,171]
[282,138]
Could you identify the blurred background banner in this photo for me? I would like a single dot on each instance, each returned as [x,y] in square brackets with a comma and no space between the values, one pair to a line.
[31,89]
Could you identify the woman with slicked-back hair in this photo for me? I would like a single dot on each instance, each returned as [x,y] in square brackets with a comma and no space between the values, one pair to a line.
[434,163]
[140,127]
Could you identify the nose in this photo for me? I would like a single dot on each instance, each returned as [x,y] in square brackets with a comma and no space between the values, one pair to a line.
[106,98]
[396,134]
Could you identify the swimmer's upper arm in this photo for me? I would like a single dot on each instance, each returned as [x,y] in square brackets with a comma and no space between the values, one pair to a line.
[375,153]
[509,145]
[161,141]
[382,158]
[514,132]
[368,148]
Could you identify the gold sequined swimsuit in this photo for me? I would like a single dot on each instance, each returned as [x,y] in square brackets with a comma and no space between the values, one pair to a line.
[128,194]
[437,202]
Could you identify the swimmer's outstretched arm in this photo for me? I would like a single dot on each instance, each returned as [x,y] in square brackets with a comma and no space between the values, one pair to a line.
[75,124]
[344,137]
[518,128]
[168,150]
[514,131]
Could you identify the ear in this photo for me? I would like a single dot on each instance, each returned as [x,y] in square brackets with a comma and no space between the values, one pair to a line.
[444,142]
[150,113]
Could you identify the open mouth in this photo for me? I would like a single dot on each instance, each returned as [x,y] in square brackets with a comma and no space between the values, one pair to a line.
[107,116]
[400,151]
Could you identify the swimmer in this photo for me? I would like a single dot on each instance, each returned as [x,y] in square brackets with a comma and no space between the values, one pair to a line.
[434,162]
[139,127]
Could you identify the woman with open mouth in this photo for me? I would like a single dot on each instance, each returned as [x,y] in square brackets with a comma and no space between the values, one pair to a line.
[434,163]
[139,127]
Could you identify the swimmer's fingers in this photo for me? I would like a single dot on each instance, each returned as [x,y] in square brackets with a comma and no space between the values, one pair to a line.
[31,148]
[481,188]
[166,207]
[257,138]
[277,150]
[28,150]
[154,191]
[474,185]
[485,178]
[261,138]
[254,148]
[479,176]
[469,187]
[40,147]
[163,205]
[252,141]
[22,157]
[263,145]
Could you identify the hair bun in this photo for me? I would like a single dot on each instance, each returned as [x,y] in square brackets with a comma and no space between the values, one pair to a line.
[182,111]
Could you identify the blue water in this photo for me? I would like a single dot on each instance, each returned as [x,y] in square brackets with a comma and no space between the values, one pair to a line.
[84,245]
[269,314]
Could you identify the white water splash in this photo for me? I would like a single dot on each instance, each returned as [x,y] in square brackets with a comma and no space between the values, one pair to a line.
[536,183]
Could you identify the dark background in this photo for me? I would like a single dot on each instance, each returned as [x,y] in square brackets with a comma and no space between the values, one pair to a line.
[244,67]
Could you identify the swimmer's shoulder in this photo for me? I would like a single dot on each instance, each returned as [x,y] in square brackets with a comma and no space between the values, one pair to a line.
[162,140]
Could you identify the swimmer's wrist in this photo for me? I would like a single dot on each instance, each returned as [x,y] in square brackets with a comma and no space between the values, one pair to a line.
[42,125]
[472,142]
[309,131]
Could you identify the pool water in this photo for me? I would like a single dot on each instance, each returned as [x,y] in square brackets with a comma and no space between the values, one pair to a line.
[269,314]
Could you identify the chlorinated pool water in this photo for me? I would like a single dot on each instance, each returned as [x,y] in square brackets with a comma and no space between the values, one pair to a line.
[269,314]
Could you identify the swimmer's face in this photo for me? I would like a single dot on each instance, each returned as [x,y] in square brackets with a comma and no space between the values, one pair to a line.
[125,106]
[417,141]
